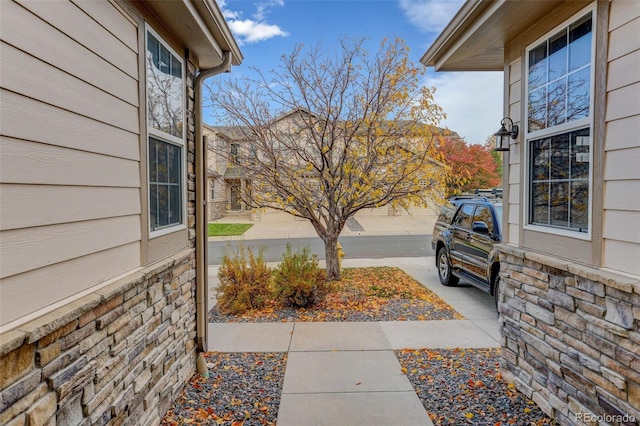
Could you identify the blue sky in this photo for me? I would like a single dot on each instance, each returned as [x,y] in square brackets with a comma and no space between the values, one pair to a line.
[265,30]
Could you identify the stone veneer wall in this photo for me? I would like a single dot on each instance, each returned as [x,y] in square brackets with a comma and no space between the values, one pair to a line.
[217,209]
[120,354]
[571,338]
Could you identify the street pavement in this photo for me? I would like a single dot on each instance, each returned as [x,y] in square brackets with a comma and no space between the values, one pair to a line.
[346,373]
[301,228]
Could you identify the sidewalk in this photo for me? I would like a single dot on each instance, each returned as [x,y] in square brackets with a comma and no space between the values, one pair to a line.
[347,373]
[302,228]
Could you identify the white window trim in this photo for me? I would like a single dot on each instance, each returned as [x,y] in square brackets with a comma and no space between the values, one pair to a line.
[559,129]
[165,137]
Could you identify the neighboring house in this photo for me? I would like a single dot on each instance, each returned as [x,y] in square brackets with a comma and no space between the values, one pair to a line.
[231,156]
[102,219]
[227,151]
[570,308]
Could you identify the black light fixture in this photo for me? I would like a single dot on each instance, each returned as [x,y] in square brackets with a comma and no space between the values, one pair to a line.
[502,135]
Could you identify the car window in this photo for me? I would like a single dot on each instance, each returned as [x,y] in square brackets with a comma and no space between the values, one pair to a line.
[483,214]
[463,218]
[447,212]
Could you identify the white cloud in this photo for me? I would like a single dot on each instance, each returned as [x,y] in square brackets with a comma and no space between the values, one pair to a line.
[473,102]
[430,16]
[252,30]
[262,8]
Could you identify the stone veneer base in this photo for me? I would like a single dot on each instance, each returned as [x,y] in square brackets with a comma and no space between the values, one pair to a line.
[571,338]
[120,354]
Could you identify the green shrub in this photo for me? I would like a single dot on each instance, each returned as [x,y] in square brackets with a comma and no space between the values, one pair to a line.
[244,283]
[298,281]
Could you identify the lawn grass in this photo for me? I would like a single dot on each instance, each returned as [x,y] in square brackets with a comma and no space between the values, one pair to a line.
[228,229]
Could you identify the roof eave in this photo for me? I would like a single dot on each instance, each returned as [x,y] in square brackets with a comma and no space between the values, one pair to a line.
[460,20]
[474,40]
[200,25]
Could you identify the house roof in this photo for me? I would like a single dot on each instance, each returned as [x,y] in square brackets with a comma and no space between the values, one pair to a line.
[474,40]
[239,133]
[200,25]
[235,172]
[230,133]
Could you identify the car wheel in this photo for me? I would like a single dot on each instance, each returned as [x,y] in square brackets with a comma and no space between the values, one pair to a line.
[496,284]
[444,268]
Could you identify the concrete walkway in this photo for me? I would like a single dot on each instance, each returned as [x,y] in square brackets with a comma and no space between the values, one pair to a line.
[341,373]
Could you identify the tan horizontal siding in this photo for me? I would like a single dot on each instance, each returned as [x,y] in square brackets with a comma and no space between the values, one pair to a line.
[622,226]
[23,206]
[111,18]
[621,256]
[30,34]
[622,12]
[35,163]
[623,102]
[624,40]
[26,293]
[80,27]
[621,134]
[28,249]
[622,195]
[26,32]
[621,220]
[624,70]
[70,147]
[622,164]
[512,160]
[25,74]
[56,126]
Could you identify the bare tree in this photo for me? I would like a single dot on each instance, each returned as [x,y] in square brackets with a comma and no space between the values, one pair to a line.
[332,135]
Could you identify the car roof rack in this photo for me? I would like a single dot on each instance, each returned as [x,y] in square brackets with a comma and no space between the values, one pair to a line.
[468,197]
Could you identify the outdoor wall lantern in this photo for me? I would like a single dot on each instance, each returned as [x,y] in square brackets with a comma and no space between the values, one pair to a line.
[502,135]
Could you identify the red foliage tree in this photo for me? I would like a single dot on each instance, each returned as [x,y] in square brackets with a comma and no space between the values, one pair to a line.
[472,166]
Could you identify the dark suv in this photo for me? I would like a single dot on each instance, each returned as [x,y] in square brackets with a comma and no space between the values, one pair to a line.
[464,238]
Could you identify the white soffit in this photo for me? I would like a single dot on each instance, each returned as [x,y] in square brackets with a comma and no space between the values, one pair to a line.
[475,38]
[199,24]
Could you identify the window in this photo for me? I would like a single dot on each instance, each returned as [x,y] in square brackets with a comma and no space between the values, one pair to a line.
[560,180]
[212,184]
[165,118]
[559,108]
[483,214]
[165,109]
[463,219]
[165,178]
[234,154]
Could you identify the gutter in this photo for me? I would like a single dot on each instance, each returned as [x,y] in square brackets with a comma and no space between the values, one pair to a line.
[202,308]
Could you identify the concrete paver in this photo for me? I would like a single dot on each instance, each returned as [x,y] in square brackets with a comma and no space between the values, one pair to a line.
[436,334]
[347,387]
[250,337]
[353,409]
[344,371]
[345,336]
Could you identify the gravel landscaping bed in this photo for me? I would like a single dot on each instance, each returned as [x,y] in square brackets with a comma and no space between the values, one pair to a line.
[243,389]
[456,387]
[393,310]
[464,386]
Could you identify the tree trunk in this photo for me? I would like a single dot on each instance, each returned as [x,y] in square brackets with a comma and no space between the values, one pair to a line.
[331,256]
